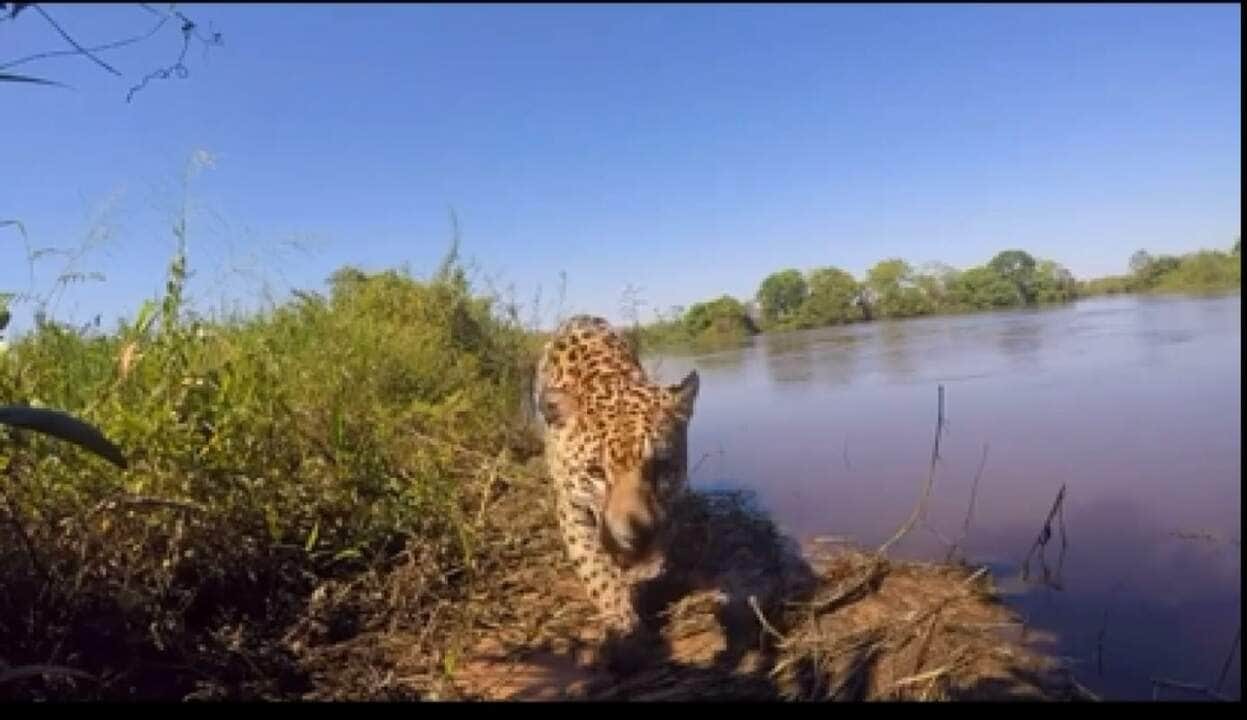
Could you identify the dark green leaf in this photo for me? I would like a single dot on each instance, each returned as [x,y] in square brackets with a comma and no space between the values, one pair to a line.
[65,427]
[10,77]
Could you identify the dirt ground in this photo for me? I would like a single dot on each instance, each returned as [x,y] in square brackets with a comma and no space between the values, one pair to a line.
[744,614]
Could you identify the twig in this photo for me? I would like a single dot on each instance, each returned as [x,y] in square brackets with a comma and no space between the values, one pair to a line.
[974,492]
[1045,534]
[28,671]
[489,485]
[703,459]
[975,576]
[920,510]
[921,659]
[753,603]
[848,589]
[1158,683]
[108,46]
[1225,668]
[1099,644]
[845,455]
[179,68]
[73,42]
[1203,536]
[928,675]
[143,501]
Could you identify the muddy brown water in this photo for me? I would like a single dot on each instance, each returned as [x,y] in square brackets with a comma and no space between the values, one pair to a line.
[1133,404]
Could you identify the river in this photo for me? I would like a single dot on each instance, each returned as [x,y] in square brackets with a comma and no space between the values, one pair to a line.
[1132,404]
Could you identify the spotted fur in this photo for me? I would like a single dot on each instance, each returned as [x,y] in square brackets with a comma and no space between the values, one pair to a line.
[616,448]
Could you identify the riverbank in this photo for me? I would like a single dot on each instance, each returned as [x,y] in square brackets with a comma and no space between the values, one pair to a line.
[668,338]
[814,623]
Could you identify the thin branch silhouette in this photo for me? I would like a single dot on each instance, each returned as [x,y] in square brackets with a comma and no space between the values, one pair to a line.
[974,492]
[189,29]
[95,49]
[1041,542]
[178,68]
[1229,658]
[920,511]
[61,31]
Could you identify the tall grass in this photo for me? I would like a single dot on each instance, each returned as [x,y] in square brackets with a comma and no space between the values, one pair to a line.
[266,453]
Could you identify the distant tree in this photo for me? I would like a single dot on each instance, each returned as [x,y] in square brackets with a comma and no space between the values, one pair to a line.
[1018,267]
[781,295]
[893,292]
[982,288]
[1147,270]
[933,280]
[1202,270]
[1053,283]
[831,298]
[1139,261]
[724,316]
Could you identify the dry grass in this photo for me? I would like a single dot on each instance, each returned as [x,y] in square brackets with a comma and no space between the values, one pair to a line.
[744,615]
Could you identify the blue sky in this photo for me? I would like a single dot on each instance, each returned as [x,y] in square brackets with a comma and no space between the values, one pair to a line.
[683,150]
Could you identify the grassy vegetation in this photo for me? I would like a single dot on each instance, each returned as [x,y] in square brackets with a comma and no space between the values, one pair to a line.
[1203,271]
[266,454]
[705,326]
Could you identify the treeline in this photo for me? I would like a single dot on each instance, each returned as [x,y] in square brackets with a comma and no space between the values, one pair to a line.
[790,299]
[1201,271]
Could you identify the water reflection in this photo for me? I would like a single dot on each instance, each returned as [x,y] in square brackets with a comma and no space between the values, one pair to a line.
[896,354]
[1020,340]
[835,356]
[1138,602]
[723,360]
[788,358]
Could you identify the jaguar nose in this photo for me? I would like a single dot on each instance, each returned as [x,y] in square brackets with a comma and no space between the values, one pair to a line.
[630,538]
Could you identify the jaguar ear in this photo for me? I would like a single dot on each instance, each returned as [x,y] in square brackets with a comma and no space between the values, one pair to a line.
[684,395]
[557,406]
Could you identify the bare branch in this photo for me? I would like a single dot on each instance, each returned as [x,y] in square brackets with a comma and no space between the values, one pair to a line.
[920,511]
[189,29]
[1238,636]
[1041,542]
[96,49]
[73,42]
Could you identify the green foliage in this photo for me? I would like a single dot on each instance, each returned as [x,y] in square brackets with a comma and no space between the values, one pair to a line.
[1206,270]
[832,299]
[983,288]
[724,317]
[265,453]
[721,322]
[1110,285]
[1201,271]
[1053,283]
[1147,271]
[1018,267]
[893,291]
[781,294]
